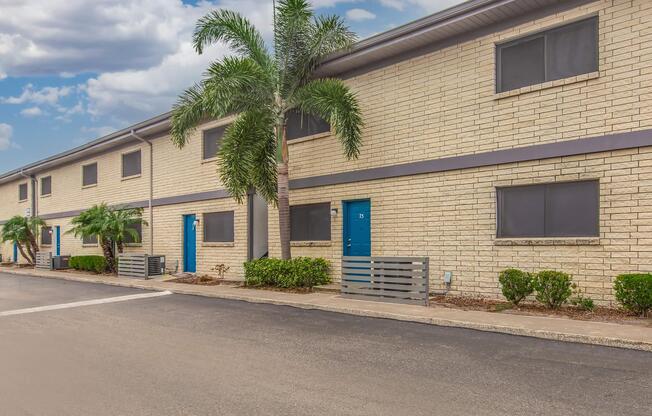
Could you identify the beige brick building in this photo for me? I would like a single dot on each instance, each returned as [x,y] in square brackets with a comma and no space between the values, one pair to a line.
[497,134]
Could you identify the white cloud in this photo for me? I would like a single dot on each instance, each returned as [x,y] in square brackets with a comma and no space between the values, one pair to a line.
[47,95]
[31,112]
[394,4]
[359,14]
[5,136]
[429,6]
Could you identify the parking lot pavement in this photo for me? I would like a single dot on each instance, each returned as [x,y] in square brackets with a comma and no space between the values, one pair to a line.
[188,355]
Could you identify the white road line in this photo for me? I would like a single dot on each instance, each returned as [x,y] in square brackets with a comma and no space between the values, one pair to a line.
[84,303]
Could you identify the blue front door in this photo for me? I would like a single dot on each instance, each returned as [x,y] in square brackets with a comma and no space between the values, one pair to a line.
[15,253]
[189,244]
[357,228]
[57,230]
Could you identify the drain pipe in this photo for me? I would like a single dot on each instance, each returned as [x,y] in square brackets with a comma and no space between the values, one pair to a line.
[151,190]
[32,179]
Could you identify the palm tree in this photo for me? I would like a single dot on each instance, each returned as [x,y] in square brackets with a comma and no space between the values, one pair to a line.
[261,88]
[110,225]
[22,232]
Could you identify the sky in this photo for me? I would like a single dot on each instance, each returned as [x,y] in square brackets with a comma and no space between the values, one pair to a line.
[74,70]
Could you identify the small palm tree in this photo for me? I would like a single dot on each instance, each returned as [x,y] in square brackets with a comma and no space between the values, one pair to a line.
[262,88]
[110,225]
[22,232]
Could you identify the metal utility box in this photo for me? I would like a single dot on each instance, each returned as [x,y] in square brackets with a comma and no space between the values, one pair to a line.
[60,262]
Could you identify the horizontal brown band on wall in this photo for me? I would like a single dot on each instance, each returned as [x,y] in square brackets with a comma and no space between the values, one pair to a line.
[575,147]
[158,202]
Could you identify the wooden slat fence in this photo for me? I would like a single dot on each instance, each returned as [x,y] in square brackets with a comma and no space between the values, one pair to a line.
[132,265]
[389,279]
[43,260]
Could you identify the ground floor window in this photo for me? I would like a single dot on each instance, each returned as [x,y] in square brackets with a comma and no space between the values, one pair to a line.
[310,222]
[138,227]
[46,236]
[218,227]
[568,209]
[89,240]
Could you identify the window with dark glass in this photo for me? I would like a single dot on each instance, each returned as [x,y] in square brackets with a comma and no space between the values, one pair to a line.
[46,236]
[22,192]
[218,227]
[131,164]
[211,141]
[311,222]
[554,54]
[46,185]
[89,174]
[138,227]
[89,240]
[301,124]
[568,209]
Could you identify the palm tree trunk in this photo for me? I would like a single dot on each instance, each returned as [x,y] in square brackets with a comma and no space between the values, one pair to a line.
[32,246]
[108,255]
[22,253]
[284,196]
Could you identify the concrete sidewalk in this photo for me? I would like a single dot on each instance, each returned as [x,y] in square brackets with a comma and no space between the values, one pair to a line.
[560,329]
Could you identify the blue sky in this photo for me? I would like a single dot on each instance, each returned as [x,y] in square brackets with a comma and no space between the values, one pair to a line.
[74,70]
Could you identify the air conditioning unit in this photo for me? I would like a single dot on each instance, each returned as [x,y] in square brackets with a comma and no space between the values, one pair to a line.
[155,265]
[60,262]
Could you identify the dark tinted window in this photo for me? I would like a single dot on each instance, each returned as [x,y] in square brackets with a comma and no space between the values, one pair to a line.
[310,222]
[22,192]
[549,210]
[131,164]
[89,174]
[46,236]
[46,185]
[547,56]
[218,227]
[138,227]
[92,240]
[211,141]
[302,125]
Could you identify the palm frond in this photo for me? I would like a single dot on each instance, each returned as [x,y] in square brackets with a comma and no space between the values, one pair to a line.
[333,101]
[234,29]
[245,154]
[187,112]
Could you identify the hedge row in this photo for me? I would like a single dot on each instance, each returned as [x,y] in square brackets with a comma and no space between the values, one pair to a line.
[299,272]
[95,264]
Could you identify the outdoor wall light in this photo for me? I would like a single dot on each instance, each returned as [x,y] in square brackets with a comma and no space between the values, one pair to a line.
[195,223]
[333,212]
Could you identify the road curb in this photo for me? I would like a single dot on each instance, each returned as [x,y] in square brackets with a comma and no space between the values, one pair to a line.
[510,330]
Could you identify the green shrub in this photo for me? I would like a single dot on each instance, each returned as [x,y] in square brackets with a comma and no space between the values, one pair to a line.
[95,264]
[634,292]
[294,273]
[582,302]
[553,288]
[516,284]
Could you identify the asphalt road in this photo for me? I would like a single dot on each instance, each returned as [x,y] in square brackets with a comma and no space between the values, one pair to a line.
[186,355]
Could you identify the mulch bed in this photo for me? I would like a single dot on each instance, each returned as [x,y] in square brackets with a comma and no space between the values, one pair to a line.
[600,313]
[280,289]
[198,280]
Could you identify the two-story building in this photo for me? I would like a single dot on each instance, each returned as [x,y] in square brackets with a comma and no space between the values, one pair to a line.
[498,133]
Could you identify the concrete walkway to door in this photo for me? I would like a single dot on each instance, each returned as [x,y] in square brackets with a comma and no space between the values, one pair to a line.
[561,329]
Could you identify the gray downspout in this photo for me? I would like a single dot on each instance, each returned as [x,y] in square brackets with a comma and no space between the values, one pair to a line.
[151,190]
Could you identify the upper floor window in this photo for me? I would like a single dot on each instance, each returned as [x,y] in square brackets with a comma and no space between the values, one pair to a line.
[554,54]
[46,186]
[301,124]
[46,236]
[218,227]
[22,192]
[89,174]
[211,142]
[566,209]
[131,164]
[311,222]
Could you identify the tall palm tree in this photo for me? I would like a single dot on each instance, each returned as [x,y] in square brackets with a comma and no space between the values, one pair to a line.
[261,88]
[22,232]
[111,226]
